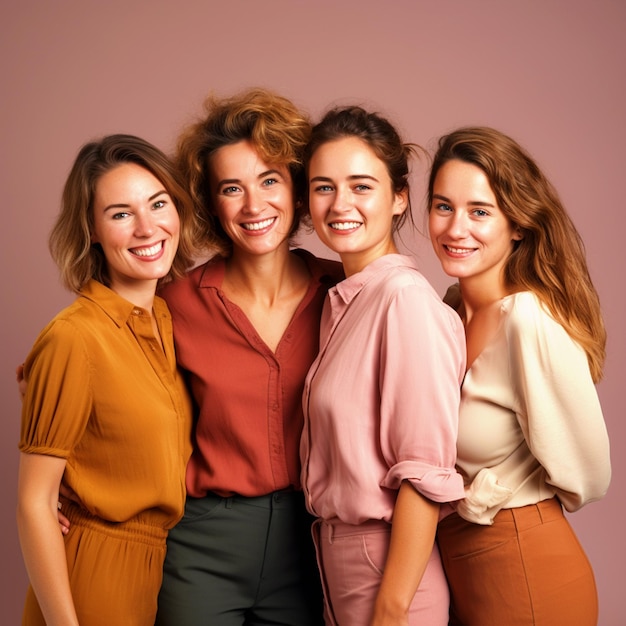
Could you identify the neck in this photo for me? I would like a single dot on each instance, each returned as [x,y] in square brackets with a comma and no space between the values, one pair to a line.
[141,295]
[353,263]
[478,294]
[263,277]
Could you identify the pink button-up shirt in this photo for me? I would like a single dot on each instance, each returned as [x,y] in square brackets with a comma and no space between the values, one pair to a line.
[381,401]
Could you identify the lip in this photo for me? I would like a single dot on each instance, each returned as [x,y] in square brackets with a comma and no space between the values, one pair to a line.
[346,227]
[258,227]
[150,252]
[457,252]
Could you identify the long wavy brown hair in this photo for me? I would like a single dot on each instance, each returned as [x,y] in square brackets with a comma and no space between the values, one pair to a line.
[550,258]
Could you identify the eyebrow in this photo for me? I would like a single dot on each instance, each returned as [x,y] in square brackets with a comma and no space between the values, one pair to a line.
[352,177]
[237,181]
[470,203]
[125,206]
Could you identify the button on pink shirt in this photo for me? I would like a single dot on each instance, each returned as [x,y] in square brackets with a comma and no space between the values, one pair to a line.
[381,400]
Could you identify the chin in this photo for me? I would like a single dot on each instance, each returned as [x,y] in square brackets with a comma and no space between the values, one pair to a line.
[453,272]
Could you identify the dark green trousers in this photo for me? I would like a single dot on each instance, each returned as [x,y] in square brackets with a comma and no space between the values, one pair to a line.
[241,561]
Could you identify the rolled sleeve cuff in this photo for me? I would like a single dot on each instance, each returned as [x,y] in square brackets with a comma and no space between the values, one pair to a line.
[483,498]
[439,484]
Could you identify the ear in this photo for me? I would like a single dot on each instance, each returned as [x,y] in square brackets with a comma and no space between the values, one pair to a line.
[400,202]
[518,233]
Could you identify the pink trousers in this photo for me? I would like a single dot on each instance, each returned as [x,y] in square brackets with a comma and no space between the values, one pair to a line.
[352,560]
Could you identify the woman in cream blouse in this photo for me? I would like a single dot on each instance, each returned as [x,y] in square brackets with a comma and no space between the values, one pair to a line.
[532,436]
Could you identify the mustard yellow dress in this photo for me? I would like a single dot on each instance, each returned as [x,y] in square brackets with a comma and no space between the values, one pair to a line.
[104,395]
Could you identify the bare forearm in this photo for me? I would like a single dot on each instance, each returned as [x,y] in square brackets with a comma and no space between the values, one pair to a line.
[43,547]
[44,556]
[412,539]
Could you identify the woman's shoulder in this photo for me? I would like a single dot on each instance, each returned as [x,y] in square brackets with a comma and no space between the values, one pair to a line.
[405,285]
[405,273]
[71,328]
[524,306]
[76,316]
[327,269]
[526,314]
[208,273]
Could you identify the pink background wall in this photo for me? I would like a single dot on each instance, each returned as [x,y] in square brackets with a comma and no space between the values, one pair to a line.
[549,72]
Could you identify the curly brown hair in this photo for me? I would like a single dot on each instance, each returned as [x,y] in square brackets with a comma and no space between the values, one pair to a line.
[276,128]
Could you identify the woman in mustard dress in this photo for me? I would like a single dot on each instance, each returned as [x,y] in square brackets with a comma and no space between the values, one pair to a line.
[106,418]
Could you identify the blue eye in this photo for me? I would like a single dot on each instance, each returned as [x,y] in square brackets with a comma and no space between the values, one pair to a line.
[120,215]
[323,188]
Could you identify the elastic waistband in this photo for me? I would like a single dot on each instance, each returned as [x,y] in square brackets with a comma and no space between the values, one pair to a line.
[525,517]
[331,529]
[137,529]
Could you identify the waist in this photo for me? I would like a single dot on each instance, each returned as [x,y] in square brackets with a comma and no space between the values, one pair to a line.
[143,527]
[522,517]
[287,497]
[244,473]
[336,528]
[531,515]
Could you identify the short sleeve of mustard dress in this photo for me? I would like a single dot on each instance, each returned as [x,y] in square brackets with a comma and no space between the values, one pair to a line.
[107,397]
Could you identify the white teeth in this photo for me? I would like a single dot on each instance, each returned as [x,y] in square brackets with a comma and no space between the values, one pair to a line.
[459,250]
[148,251]
[344,225]
[259,225]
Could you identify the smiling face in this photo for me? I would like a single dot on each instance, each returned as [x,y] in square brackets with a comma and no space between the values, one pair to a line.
[137,226]
[352,203]
[470,234]
[253,200]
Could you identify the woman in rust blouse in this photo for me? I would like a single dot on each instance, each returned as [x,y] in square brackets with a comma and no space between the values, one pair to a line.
[246,328]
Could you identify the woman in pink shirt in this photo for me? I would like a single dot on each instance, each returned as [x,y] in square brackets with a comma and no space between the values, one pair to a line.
[381,399]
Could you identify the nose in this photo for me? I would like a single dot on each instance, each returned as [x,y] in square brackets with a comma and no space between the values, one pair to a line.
[458,225]
[252,202]
[144,224]
[341,200]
